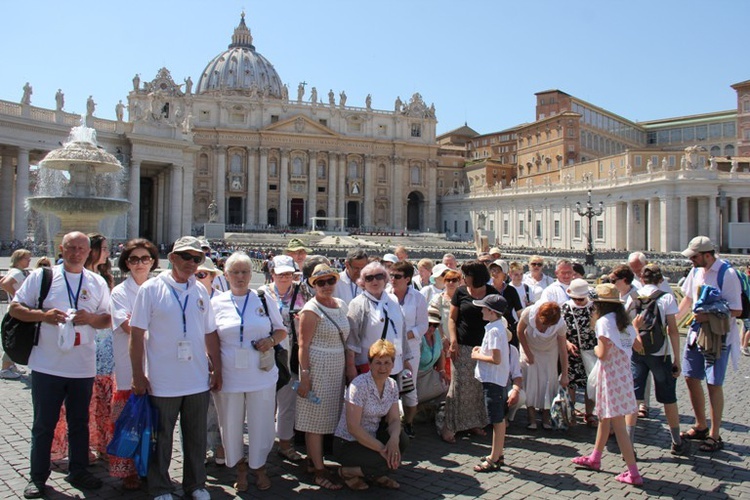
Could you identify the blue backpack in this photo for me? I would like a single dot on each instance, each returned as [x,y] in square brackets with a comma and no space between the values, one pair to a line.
[744,284]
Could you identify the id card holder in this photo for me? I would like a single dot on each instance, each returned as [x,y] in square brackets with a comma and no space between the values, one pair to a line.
[184,350]
[242,358]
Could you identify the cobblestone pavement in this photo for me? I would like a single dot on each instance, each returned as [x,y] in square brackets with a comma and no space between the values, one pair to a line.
[538,463]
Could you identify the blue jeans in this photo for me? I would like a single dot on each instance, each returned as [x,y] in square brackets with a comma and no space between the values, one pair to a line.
[48,392]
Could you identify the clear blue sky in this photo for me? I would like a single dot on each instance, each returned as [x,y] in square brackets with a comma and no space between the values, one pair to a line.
[478,61]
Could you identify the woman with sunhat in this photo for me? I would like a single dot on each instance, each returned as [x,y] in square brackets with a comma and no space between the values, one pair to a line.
[615,395]
[324,329]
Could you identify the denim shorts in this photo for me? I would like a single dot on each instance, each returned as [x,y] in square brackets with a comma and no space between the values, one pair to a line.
[665,385]
[696,365]
[495,397]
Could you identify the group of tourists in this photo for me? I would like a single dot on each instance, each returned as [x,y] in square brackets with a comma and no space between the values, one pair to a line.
[356,354]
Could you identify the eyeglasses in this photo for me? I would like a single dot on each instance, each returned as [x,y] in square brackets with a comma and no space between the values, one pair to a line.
[134,259]
[284,275]
[536,264]
[201,274]
[451,280]
[614,279]
[330,281]
[371,277]
[187,257]
[397,276]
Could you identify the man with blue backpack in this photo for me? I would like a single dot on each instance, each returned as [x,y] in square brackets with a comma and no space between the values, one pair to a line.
[698,363]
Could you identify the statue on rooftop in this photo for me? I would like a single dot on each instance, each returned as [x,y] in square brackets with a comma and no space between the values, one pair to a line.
[27,91]
[59,100]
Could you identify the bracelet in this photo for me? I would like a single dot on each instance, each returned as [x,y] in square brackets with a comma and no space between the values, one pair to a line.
[273,340]
[304,371]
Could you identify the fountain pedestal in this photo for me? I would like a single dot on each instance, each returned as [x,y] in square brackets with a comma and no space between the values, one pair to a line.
[214,230]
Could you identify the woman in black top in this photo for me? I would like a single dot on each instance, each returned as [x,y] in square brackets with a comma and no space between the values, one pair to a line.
[464,404]
[499,274]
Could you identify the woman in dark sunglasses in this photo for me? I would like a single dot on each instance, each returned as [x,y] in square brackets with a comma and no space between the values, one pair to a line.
[205,274]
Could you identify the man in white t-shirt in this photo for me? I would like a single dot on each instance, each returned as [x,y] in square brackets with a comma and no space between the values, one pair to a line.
[181,327]
[557,290]
[697,365]
[64,360]
[535,277]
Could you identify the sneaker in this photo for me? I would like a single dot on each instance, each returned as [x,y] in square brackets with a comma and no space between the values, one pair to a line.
[84,480]
[33,490]
[201,494]
[682,449]
[9,374]
[409,431]
[746,351]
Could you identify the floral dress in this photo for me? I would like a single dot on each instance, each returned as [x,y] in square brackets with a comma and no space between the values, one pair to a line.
[578,321]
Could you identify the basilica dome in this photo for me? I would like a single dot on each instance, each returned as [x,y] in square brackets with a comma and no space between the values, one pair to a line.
[240,69]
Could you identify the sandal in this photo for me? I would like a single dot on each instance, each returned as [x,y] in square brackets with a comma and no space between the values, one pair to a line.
[240,485]
[695,434]
[448,437]
[387,482]
[324,479]
[643,411]
[591,420]
[585,461]
[262,481]
[290,454]
[710,445]
[487,465]
[627,478]
[355,483]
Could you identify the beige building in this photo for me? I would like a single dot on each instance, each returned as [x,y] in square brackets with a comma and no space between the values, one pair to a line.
[238,138]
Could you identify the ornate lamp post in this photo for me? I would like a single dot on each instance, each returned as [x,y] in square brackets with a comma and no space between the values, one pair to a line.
[590,212]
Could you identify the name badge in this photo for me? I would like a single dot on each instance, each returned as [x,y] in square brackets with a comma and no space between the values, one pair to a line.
[242,358]
[184,350]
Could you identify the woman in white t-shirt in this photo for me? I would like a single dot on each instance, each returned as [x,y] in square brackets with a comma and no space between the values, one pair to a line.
[248,331]
[138,258]
[11,282]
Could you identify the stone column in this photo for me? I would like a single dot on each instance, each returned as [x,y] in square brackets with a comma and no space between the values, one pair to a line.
[430,219]
[263,189]
[630,224]
[341,191]
[221,181]
[158,212]
[397,178]
[250,196]
[713,220]
[6,200]
[670,231]
[733,209]
[175,203]
[369,198]
[312,181]
[188,170]
[683,226]
[21,221]
[331,211]
[134,193]
[284,189]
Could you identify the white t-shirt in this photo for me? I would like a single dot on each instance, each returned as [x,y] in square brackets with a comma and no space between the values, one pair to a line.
[429,292]
[176,362]
[121,302]
[495,337]
[18,276]
[240,361]
[93,297]
[345,289]
[537,287]
[667,305]
[606,326]
[556,292]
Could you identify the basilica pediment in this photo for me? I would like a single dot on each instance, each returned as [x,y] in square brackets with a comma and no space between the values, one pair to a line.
[301,125]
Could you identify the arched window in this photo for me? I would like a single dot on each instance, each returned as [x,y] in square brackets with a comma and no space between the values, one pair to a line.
[729,150]
[715,150]
[416,175]
[235,164]
[381,174]
[297,166]
[321,169]
[353,170]
[273,169]
[203,164]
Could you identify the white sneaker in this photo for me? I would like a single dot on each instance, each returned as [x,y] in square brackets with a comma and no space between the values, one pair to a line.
[9,374]
[201,494]
[746,351]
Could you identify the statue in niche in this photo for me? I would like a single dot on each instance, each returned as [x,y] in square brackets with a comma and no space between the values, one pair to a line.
[90,106]
[355,187]
[398,105]
[285,93]
[368,102]
[712,163]
[664,164]
[683,163]
[331,98]
[59,100]
[187,124]
[342,99]
[314,95]
[236,183]
[213,211]
[136,82]
[120,111]
[734,165]
[649,166]
[27,91]
[188,85]
[300,91]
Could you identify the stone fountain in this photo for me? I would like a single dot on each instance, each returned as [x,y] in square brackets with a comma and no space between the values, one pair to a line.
[78,184]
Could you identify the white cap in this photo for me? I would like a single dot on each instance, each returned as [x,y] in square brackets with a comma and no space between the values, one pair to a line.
[389,257]
[439,269]
[283,264]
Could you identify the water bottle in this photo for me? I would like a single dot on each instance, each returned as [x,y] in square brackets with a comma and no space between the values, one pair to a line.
[311,397]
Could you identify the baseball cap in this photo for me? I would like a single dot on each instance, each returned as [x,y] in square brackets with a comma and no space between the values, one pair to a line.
[187,244]
[439,269]
[493,301]
[283,264]
[502,264]
[390,257]
[697,245]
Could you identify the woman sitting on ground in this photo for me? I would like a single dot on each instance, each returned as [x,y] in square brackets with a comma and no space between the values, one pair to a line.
[365,448]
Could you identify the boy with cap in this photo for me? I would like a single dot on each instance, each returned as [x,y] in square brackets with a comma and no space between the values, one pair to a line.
[492,371]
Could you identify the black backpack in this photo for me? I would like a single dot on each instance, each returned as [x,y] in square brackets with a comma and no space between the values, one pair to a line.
[20,337]
[652,330]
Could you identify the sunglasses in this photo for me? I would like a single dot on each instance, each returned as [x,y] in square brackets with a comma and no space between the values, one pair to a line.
[536,264]
[613,279]
[133,260]
[397,276]
[201,274]
[187,257]
[371,277]
[285,275]
[330,281]
[579,299]
[451,280]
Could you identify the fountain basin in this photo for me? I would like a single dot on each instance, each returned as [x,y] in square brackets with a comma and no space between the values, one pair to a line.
[78,207]
[81,153]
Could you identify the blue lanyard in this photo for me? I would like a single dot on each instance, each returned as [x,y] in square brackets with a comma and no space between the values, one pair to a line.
[242,315]
[354,289]
[183,306]
[73,298]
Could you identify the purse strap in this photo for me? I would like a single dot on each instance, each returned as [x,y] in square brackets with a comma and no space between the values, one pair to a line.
[341,332]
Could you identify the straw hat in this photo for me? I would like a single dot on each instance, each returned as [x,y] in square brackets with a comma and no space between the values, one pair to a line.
[322,271]
[607,292]
[208,265]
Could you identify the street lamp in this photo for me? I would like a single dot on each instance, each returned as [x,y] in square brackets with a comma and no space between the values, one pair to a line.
[590,212]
